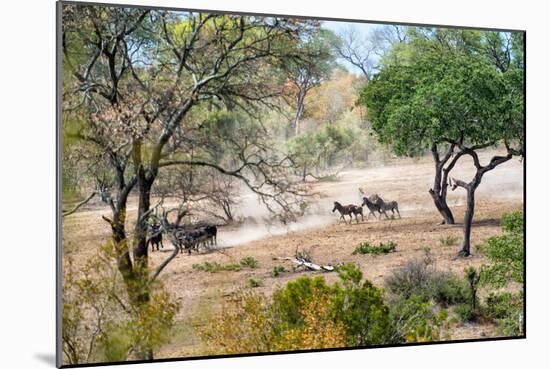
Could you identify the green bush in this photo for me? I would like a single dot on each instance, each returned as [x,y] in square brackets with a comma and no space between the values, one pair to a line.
[498,305]
[309,313]
[253,283]
[382,248]
[289,301]
[249,262]
[465,313]
[277,271]
[359,306]
[447,289]
[506,253]
[418,278]
[513,222]
[100,322]
[415,321]
[506,309]
[115,342]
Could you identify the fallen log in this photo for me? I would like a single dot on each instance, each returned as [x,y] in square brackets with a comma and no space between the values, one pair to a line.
[309,265]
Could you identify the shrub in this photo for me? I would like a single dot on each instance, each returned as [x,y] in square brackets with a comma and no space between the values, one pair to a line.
[361,308]
[251,334]
[465,312]
[418,278]
[306,313]
[253,283]
[506,309]
[100,323]
[412,279]
[289,301]
[115,342]
[513,222]
[506,253]
[414,320]
[318,330]
[277,271]
[449,240]
[448,289]
[382,248]
[498,305]
[249,262]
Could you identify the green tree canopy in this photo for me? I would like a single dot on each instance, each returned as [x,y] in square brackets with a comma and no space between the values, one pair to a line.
[451,92]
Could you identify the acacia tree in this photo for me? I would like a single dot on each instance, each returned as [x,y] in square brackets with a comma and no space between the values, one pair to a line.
[453,103]
[142,78]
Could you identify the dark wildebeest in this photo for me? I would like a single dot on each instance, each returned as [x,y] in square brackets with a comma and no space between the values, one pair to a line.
[372,206]
[385,206]
[193,239]
[212,231]
[348,210]
[156,237]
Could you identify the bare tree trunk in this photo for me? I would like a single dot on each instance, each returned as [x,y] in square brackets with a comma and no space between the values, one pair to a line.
[471,188]
[439,190]
[440,203]
[468,218]
[300,100]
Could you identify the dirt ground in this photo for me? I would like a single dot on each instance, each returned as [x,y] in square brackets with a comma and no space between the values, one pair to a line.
[328,240]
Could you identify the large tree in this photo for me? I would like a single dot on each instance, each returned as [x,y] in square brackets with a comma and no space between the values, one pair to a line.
[311,65]
[137,86]
[446,96]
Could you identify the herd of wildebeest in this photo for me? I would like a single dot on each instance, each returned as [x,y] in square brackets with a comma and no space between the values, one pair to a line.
[186,237]
[192,236]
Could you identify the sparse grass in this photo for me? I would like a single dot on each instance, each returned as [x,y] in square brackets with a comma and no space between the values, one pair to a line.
[249,262]
[382,248]
[277,270]
[449,240]
[214,267]
[253,283]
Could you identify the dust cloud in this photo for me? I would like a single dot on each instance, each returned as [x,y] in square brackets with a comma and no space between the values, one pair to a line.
[405,180]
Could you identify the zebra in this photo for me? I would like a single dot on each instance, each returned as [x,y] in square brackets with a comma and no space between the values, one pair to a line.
[386,206]
[348,210]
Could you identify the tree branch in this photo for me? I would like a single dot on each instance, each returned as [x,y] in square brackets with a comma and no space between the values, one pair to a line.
[69,212]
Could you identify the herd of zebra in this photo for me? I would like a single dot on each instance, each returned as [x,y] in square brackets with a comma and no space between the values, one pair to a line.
[374,203]
[190,237]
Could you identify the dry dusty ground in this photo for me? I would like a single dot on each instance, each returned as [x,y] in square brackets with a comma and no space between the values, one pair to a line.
[327,239]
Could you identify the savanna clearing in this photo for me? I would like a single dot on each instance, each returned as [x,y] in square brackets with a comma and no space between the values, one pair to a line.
[327,239]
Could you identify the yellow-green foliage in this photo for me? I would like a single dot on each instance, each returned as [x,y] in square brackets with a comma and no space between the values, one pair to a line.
[415,321]
[100,322]
[382,248]
[305,314]
[251,334]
